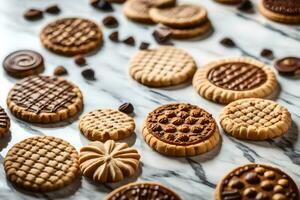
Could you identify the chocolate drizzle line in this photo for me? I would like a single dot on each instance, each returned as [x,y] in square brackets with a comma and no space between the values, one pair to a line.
[3,118]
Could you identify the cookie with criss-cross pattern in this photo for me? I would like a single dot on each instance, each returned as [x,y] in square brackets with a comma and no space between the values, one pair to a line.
[42,164]
[4,122]
[181,130]
[162,67]
[71,36]
[255,119]
[44,99]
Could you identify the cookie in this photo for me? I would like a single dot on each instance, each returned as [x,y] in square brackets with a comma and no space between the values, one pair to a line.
[71,36]
[109,161]
[288,65]
[4,122]
[161,67]
[180,16]
[42,164]
[255,119]
[180,130]
[23,63]
[284,11]
[106,124]
[227,80]
[257,181]
[143,190]
[44,99]
[229,1]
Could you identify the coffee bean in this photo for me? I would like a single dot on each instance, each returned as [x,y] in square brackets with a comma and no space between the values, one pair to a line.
[162,35]
[246,6]
[110,22]
[33,14]
[267,53]
[126,108]
[130,41]
[60,70]
[144,46]
[79,60]
[88,74]
[103,5]
[52,9]
[114,36]
[228,42]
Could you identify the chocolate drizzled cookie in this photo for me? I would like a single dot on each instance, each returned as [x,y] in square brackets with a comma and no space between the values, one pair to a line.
[4,122]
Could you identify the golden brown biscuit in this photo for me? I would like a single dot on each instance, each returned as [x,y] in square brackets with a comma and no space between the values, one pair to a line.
[71,36]
[44,99]
[181,130]
[257,181]
[162,67]
[4,122]
[227,80]
[109,161]
[255,119]
[42,164]
[106,124]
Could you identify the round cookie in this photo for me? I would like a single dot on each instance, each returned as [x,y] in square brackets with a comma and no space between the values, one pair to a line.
[148,190]
[106,124]
[288,65]
[255,119]
[23,63]
[71,36]
[180,16]
[227,80]
[181,130]
[42,164]
[109,161]
[44,99]
[284,11]
[4,122]
[162,67]
[257,181]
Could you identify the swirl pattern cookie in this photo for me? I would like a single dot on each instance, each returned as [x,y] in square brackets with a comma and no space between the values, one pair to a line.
[255,119]
[44,99]
[109,161]
[227,80]
[257,181]
[180,130]
[4,122]
[42,164]
[71,36]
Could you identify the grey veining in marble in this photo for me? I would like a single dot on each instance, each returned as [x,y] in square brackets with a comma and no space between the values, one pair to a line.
[193,178]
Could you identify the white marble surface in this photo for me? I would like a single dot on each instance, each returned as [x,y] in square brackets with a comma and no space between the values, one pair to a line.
[193,178]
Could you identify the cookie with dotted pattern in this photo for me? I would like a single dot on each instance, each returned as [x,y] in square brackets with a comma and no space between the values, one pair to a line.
[4,122]
[255,119]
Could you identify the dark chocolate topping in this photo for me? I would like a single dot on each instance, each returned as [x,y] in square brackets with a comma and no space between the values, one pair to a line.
[3,118]
[288,64]
[287,7]
[237,76]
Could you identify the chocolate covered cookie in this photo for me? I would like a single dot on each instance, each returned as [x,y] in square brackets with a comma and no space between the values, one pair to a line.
[288,65]
[4,122]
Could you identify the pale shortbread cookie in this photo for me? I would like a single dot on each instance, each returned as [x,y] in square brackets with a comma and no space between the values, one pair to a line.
[255,119]
[4,122]
[161,67]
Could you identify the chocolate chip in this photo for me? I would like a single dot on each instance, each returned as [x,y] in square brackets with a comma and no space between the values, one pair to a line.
[252,178]
[246,6]
[144,46]
[250,192]
[103,5]
[162,35]
[79,59]
[267,53]
[228,42]
[114,36]
[60,70]
[236,184]
[110,22]
[33,14]
[53,9]
[88,74]
[126,108]
[262,196]
[130,41]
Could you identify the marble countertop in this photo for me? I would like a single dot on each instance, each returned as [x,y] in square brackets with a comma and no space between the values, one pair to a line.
[193,178]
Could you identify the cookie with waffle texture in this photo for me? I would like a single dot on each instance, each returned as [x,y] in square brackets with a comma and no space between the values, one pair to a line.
[108,162]
[42,164]
[4,122]
[255,119]
[181,130]
[71,36]
[106,124]
[143,190]
[284,11]
[227,80]
[44,99]
[257,181]
[162,67]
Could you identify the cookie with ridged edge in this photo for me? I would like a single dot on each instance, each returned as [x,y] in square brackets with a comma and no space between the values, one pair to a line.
[255,119]
[162,67]
[42,164]
[149,190]
[180,130]
[71,36]
[4,122]
[106,124]
[257,181]
[227,80]
[108,162]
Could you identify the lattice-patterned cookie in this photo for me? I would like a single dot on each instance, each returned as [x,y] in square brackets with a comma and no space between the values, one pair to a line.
[44,99]
[141,191]
[109,161]
[4,122]
[71,36]
[255,119]
[161,67]
[226,80]
[42,164]
[105,124]
[181,130]
[257,181]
